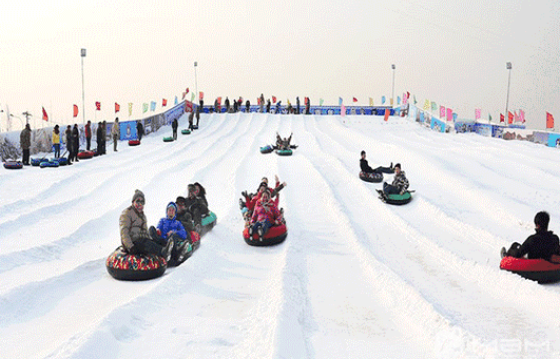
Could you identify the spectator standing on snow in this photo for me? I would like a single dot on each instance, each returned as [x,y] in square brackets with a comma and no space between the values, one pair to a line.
[104,139]
[226,103]
[247,106]
[76,141]
[297,105]
[116,134]
[99,135]
[56,141]
[261,103]
[175,125]
[69,146]
[139,130]
[88,135]
[25,143]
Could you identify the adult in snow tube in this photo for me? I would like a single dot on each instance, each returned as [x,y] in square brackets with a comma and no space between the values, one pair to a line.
[275,235]
[539,270]
[542,250]
[372,177]
[125,266]
[133,142]
[168,139]
[185,132]
[13,165]
[49,164]
[84,155]
[284,152]
[267,149]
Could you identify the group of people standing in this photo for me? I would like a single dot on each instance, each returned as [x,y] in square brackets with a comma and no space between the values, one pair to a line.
[264,106]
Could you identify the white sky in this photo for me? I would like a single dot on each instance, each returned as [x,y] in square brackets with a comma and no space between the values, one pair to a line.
[450,52]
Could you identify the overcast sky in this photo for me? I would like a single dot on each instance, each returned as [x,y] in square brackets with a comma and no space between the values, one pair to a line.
[450,52]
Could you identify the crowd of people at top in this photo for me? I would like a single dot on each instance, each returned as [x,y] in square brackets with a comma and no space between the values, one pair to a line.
[264,106]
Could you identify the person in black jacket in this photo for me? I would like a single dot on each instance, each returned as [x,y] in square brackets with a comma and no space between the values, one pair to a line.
[175,125]
[367,169]
[226,102]
[541,245]
[69,145]
[99,134]
[76,141]
[247,106]
[195,206]
[139,130]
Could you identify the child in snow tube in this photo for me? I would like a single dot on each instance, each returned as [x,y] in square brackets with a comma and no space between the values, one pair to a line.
[265,216]
[542,250]
[170,229]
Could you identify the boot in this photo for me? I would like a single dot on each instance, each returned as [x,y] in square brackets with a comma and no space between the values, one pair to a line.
[166,251]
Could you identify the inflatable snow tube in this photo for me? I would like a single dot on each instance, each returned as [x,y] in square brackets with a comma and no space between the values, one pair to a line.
[186,132]
[124,266]
[208,222]
[267,149]
[53,164]
[63,161]
[539,270]
[84,155]
[275,235]
[372,177]
[133,142]
[285,152]
[13,165]
[168,139]
[397,199]
[37,161]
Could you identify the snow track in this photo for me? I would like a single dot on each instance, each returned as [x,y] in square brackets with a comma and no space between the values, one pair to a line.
[356,278]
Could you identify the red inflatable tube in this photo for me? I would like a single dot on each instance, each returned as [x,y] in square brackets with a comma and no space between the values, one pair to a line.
[275,235]
[539,270]
[133,143]
[83,155]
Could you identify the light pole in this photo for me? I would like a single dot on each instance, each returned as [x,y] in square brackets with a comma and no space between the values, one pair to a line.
[195,84]
[83,54]
[508,67]
[393,92]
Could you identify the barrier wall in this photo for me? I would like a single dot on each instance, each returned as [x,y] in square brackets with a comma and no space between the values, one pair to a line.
[315,110]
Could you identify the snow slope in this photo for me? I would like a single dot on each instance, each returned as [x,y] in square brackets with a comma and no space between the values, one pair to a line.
[356,278]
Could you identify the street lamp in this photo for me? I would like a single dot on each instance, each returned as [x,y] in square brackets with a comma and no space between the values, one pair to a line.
[195,84]
[393,93]
[508,67]
[82,55]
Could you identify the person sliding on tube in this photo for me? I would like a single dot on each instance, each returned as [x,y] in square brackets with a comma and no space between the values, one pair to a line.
[541,245]
[265,215]
[399,185]
[367,169]
[135,238]
[170,229]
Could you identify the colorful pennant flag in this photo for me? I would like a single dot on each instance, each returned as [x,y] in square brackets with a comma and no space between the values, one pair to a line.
[340,101]
[164,102]
[273,99]
[415,102]
[342,110]
[45,116]
[434,106]
[201,95]
[398,100]
[387,113]
[371,101]
[176,100]
[192,96]
[510,117]
[489,118]
[441,112]
[522,116]
[354,99]
[75,111]
[321,102]
[383,99]
[153,106]
[129,109]
[502,118]
[144,107]
[427,105]
[549,120]
[477,114]
[117,107]
[449,114]
[98,106]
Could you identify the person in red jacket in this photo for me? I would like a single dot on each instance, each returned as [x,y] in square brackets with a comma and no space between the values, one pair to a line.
[265,215]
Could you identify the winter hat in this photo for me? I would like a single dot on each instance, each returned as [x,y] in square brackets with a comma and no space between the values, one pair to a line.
[263,184]
[181,200]
[398,165]
[174,206]
[138,194]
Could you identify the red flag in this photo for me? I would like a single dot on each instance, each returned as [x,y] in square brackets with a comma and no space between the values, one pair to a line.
[184,94]
[219,100]
[549,120]
[98,106]
[502,118]
[510,117]
[117,107]
[201,95]
[258,100]
[45,116]
[273,99]
[164,103]
[75,110]
[387,113]
[354,99]
[522,116]
[187,91]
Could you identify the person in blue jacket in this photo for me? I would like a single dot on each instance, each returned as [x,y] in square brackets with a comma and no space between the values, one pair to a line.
[169,228]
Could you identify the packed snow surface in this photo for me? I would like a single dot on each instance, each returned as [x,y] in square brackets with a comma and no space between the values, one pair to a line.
[356,278]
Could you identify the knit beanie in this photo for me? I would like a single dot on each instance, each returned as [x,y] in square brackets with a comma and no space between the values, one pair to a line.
[138,194]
